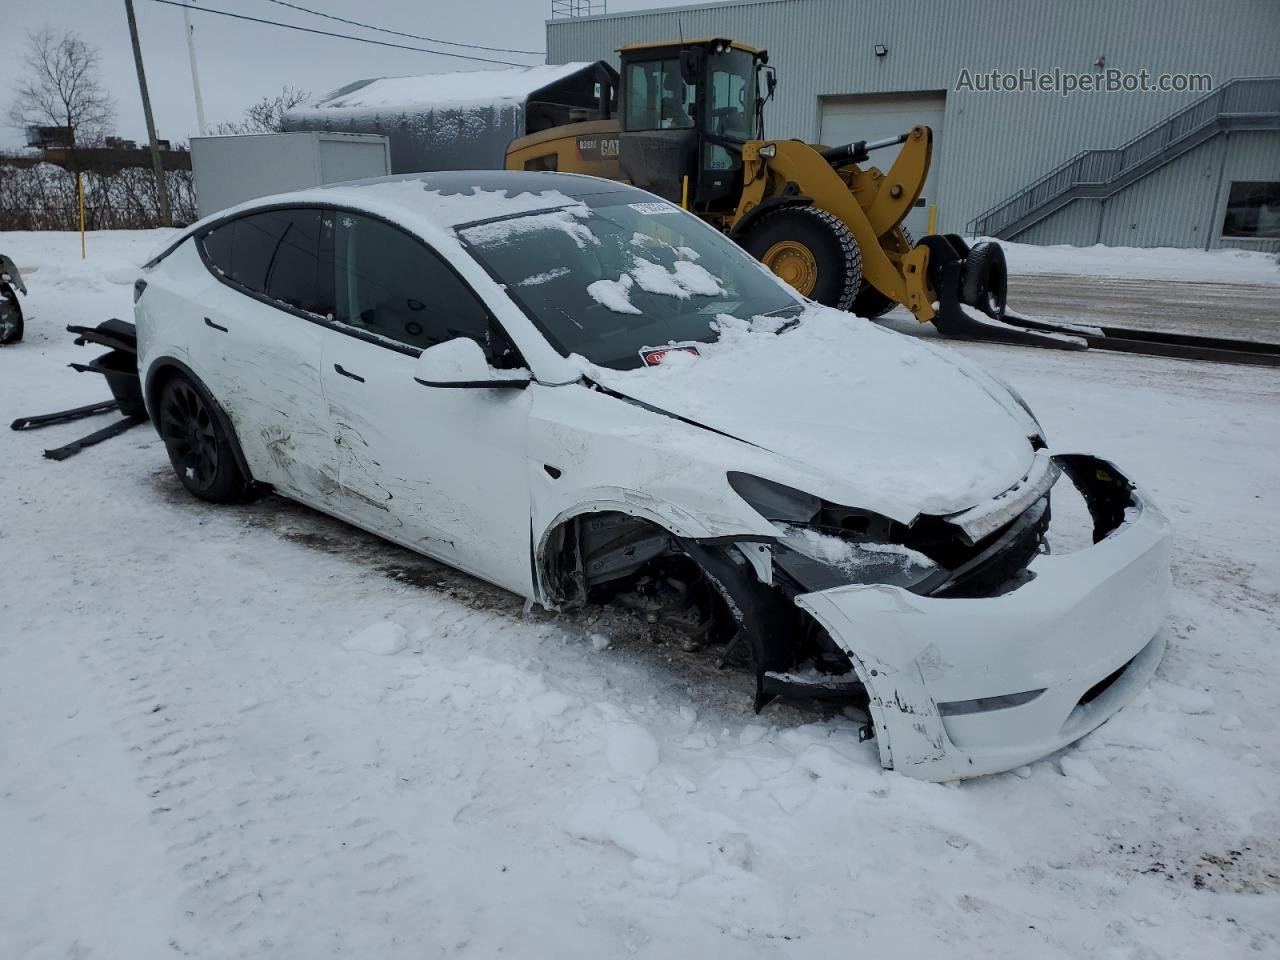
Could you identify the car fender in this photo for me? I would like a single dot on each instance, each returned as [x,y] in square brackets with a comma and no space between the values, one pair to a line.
[163,365]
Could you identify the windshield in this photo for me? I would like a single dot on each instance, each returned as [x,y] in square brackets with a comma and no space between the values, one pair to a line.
[613,281]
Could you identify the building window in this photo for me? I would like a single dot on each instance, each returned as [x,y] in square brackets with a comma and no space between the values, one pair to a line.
[1253,210]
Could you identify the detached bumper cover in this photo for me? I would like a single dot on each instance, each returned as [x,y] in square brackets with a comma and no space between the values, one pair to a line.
[1022,674]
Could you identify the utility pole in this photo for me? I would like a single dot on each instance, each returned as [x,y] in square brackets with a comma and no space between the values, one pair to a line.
[162,188]
[195,72]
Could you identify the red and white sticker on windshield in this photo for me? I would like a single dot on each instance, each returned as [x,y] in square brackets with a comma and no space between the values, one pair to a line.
[653,356]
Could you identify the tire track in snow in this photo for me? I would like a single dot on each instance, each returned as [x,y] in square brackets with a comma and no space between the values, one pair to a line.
[223,821]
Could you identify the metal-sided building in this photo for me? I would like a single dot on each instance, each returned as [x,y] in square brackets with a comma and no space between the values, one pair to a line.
[1196,166]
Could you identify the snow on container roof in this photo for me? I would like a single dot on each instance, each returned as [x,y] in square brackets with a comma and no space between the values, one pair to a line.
[444,89]
[454,121]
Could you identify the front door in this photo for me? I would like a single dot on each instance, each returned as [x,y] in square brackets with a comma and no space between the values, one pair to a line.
[439,470]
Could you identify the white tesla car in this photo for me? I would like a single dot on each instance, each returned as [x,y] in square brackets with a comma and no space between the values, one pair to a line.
[584,394]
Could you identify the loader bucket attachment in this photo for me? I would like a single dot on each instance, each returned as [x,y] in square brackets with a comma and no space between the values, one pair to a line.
[968,281]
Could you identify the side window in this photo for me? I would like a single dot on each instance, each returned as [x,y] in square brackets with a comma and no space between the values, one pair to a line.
[277,254]
[391,284]
[292,277]
[657,98]
[253,245]
[242,249]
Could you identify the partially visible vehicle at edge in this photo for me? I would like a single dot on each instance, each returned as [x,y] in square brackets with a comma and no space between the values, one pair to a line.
[11,325]
[581,393]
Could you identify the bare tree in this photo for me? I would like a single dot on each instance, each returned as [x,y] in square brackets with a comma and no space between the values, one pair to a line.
[61,87]
[267,115]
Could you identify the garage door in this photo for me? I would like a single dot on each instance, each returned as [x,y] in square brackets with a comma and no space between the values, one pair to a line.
[875,116]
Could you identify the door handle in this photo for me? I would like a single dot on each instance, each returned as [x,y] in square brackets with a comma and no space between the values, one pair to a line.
[347,373]
[216,326]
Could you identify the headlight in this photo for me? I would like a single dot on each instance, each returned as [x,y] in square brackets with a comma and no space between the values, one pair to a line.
[818,560]
[821,545]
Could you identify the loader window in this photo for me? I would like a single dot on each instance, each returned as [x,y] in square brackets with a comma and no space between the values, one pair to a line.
[657,99]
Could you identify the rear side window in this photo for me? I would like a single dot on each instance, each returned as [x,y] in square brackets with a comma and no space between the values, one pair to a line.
[276,254]
[293,277]
[391,284]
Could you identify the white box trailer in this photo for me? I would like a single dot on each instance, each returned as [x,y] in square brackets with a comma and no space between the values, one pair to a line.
[229,170]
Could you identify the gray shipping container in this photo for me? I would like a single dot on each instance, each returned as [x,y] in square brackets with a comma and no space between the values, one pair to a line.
[230,170]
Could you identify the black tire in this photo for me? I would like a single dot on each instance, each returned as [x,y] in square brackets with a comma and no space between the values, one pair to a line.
[11,326]
[870,302]
[986,279]
[832,264]
[198,445]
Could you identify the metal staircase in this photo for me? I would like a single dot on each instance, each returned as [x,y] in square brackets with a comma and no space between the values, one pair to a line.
[1245,103]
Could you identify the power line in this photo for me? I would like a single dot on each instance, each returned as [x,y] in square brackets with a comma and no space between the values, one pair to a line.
[398,33]
[340,36]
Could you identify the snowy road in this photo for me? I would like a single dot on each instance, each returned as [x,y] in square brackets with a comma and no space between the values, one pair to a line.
[253,732]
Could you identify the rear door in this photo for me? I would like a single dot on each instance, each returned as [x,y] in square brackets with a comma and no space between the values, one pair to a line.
[258,348]
[443,471]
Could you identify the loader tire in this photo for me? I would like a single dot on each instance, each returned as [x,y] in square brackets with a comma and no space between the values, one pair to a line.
[986,279]
[197,444]
[870,302]
[810,249]
[10,317]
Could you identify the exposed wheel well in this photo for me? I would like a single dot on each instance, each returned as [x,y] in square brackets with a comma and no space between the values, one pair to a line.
[610,556]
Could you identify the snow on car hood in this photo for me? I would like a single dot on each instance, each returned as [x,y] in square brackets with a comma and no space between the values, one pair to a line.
[880,420]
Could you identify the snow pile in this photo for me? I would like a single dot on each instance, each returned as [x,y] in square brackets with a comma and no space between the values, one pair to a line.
[684,280]
[564,220]
[546,277]
[380,639]
[1147,263]
[614,295]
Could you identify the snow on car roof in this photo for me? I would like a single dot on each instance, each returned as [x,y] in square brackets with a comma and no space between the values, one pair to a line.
[452,197]
[433,203]
[459,87]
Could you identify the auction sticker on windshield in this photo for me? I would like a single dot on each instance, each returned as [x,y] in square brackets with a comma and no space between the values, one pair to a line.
[652,356]
[650,209]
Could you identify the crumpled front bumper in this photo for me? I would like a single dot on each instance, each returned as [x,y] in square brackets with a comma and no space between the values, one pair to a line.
[1084,631]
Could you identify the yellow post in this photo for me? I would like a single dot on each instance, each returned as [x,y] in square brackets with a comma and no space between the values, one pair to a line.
[933,219]
[80,196]
[684,194]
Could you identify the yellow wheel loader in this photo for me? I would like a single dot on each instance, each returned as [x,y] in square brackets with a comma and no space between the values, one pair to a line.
[690,128]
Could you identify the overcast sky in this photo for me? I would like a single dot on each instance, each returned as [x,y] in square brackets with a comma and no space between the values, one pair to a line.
[241,62]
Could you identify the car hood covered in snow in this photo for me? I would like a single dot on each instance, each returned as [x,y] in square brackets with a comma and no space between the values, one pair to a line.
[879,420]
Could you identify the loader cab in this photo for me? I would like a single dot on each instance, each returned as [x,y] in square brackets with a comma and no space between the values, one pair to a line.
[687,108]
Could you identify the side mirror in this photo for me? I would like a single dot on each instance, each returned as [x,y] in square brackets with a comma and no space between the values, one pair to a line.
[461,363]
[770,82]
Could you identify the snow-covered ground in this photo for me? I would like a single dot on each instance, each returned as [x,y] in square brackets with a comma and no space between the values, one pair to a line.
[1145,263]
[253,732]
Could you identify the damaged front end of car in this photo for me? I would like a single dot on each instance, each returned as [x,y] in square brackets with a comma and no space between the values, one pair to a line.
[969,645]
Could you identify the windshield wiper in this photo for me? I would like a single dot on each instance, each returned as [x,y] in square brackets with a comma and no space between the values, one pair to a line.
[791,322]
